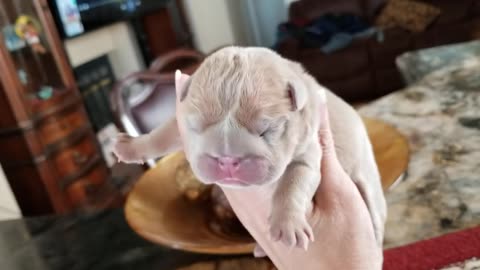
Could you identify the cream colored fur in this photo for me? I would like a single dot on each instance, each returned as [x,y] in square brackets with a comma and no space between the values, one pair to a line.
[231,98]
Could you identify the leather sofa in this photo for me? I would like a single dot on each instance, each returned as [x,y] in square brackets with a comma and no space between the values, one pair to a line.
[366,69]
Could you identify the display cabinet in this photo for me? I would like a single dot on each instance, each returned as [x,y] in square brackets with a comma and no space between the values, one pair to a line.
[48,149]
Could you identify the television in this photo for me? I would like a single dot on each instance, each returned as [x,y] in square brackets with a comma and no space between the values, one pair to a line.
[76,17]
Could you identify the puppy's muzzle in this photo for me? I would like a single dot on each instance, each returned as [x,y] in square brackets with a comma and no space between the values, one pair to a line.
[234,170]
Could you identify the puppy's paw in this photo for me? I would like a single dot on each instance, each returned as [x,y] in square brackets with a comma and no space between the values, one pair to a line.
[126,150]
[292,229]
[258,251]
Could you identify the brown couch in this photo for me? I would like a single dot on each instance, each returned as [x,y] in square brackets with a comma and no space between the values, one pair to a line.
[366,69]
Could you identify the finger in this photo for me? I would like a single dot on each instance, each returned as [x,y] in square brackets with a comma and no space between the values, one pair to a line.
[178,76]
[180,80]
[325,134]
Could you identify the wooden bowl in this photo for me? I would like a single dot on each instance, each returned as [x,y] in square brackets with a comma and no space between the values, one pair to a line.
[158,211]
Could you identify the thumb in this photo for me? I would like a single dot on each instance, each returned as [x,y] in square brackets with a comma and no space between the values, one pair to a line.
[330,165]
[180,84]
[325,134]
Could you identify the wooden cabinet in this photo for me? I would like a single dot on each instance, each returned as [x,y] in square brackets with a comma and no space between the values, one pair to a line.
[47,146]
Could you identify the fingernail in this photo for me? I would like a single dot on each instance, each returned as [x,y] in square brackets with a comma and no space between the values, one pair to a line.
[178,75]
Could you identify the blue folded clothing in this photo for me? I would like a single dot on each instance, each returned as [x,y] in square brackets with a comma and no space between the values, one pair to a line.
[342,40]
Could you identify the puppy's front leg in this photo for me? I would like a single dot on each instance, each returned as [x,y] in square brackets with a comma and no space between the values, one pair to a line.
[160,141]
[292,198]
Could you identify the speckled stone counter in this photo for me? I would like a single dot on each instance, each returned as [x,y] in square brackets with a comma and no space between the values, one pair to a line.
[440,115]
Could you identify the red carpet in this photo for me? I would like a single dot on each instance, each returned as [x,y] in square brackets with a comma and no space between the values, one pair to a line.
[435,253]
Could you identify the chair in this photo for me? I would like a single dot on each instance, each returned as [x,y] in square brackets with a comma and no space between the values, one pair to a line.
[145,100]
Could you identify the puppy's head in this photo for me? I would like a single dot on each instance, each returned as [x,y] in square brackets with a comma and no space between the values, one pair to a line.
[241,113]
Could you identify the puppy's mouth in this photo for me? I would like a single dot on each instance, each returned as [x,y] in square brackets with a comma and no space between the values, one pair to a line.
[232,182]
[233,172]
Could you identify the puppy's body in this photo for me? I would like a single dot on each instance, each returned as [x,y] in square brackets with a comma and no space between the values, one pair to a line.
[250,117]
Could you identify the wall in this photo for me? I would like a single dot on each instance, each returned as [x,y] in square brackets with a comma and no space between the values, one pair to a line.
[242,29]
[288,2]
[210,24]
[117,41]
[234,22]
[263,17]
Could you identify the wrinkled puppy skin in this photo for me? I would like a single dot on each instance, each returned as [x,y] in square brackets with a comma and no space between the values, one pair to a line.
[249,118]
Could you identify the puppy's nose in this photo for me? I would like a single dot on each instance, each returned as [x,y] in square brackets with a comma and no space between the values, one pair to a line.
[229,164]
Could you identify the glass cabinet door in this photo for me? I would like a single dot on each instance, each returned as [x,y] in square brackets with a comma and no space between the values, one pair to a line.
[24,37]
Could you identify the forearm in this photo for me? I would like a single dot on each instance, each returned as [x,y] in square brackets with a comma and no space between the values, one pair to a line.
[297,187]
[161,141]
[300,181]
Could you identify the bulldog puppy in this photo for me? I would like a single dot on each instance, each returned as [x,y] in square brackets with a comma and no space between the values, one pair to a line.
[250,117]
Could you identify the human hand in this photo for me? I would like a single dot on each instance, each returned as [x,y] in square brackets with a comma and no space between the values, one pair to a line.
[342,228]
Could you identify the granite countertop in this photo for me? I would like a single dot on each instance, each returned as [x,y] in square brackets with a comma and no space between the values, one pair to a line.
[440,116]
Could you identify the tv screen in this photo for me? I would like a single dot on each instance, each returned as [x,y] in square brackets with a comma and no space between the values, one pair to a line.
[70,16]
[75,17]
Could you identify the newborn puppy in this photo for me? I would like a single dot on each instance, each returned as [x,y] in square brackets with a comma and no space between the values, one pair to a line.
[249,118]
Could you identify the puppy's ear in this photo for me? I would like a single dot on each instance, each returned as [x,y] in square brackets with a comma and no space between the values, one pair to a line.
[297,94]
[296,87]
[182,85]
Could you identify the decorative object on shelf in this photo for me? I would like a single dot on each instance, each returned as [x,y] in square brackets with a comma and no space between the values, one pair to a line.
[22,76]
[12,40]
[29,29]
[45,92]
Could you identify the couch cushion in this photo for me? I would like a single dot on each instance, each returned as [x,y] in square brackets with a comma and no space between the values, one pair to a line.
[453,33]
[373,8]
[396,42]
[475,10]
[311,9]
[338,65]
[453,10]
[411,15]
[356,88]
[424,40]
[387,81]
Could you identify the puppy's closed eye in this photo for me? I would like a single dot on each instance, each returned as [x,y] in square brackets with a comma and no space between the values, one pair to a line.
[264,133]
[272,127]
[194,122]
